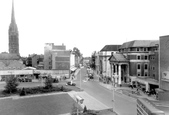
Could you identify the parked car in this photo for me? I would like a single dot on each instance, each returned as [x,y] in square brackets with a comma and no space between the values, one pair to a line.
[24,79]
[71,84]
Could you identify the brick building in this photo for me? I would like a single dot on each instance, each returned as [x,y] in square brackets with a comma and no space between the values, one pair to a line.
[139,55]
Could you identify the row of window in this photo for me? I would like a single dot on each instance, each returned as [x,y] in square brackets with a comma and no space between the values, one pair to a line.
[139,73]
[152,68]
[139,66]
[139,57]
[146,74]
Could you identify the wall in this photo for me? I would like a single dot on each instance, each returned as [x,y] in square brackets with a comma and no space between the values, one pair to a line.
[72,59]
[164,61]
[154,62]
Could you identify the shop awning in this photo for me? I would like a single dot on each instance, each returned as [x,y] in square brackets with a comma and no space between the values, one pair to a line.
[73,68]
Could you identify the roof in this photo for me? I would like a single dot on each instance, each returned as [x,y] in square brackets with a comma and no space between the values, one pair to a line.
[110,48]
[118,57]
[139,43]
[8,56]
[11,64]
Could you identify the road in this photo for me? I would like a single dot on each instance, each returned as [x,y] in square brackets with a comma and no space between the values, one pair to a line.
[123,105]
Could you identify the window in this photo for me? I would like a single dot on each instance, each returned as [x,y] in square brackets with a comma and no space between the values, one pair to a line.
[138,49]
[138,66]
[138,74]
[153,68]
[145,74]
[138,57]
[146,57]
[154,75]
[153,57]
[145,49]
[145,66]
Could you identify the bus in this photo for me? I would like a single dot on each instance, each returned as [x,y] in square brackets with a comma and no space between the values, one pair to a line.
[145,107]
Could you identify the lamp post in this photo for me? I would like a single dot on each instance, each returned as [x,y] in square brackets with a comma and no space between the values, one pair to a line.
[114,77]
[80,76]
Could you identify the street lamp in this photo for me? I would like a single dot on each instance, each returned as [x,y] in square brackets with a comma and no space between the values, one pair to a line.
[80,76]
[114,92]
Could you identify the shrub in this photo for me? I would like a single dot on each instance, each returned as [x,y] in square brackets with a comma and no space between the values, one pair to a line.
[11,84]
[85,109]
[48,82]
[23,92]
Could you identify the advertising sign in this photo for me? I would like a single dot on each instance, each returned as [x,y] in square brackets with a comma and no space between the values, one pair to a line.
[165,76]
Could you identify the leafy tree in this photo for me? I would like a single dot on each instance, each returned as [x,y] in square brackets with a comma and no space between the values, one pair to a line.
[77,51]
[48,82]
[11,84]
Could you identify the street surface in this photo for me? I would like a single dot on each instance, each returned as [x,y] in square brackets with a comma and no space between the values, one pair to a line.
[123,105]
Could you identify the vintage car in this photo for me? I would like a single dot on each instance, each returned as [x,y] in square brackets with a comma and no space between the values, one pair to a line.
[70,83]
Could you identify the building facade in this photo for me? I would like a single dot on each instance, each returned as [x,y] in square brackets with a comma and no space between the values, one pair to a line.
[104,55]
[48,50]
[163,91]
[139,53]
[13,34]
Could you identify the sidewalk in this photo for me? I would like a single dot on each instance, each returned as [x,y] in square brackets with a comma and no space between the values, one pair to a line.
[127,91]
[89,101]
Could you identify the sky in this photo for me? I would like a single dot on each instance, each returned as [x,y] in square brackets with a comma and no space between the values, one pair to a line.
[88,25]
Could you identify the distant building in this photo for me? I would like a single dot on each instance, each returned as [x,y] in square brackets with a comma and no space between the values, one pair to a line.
[35,61]
[104,55]
[61,60]
[48,49]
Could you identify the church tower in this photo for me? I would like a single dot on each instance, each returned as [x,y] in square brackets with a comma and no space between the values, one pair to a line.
[13,34]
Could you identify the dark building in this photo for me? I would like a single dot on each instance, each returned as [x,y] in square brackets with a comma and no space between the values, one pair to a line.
[13,34]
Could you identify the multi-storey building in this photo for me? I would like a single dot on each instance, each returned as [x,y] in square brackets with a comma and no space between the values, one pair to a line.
[163,91]
[104,55]
[35,60]
[48,49]
[138,53]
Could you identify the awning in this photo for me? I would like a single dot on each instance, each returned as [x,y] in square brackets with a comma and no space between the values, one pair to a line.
[73,68]
[133,78]
[29,68]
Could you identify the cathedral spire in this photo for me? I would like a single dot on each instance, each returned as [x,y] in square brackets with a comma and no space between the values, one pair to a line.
[13,13]
[13,34]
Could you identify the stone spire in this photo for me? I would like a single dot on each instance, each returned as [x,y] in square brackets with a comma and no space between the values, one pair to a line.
[13,34]
[13,25]
[13,13]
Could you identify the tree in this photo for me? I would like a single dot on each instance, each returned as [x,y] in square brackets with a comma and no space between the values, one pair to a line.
[85,109]
[92,61]
[77,51]
[48,82]
[11,84]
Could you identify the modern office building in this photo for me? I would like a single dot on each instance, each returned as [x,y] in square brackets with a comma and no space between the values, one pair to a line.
[48,50]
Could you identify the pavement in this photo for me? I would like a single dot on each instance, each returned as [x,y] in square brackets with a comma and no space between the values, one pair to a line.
[89,101]
[125,90]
